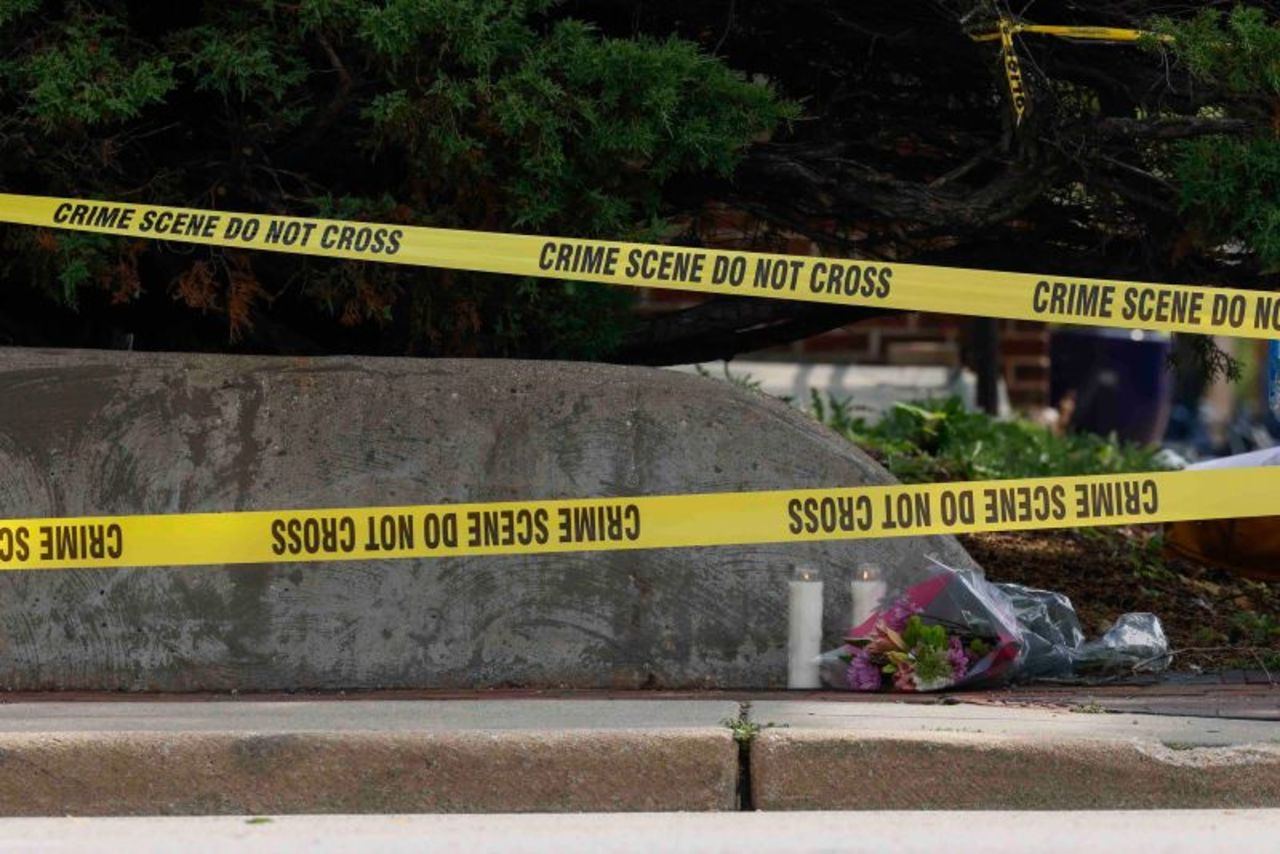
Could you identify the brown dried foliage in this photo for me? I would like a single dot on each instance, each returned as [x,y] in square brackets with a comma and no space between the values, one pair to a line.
[46,240]
[243,290]
[371,301]
[197,287]
[123,280]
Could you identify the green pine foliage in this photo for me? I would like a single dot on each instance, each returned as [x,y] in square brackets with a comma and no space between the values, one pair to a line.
[488,114]
[88,77]
[1230,187]
[1237,50]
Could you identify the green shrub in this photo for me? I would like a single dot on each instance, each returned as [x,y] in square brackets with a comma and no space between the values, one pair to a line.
[941,440]
[1228,187]
[483,114]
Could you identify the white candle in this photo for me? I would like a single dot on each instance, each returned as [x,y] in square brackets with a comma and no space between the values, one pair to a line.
[804,628]
[866,592]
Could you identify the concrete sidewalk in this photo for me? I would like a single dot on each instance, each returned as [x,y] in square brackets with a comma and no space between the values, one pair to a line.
[562,755]
[1167,832]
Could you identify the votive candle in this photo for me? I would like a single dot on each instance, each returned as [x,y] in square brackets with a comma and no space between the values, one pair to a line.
[866,592]
[804,627]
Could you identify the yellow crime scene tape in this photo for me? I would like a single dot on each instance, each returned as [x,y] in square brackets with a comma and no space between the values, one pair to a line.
[1012,72]
[653,522]
[1007,28]
[814,279]
[1103,34]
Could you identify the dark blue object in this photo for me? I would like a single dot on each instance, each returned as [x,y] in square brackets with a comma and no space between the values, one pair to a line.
[1119,381]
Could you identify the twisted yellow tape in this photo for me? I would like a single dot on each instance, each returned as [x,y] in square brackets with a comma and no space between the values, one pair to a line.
[649,522]
[831,281]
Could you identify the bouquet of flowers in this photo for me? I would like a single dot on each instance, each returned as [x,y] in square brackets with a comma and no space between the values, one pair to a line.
[956,629]
[944,632]
[912,655]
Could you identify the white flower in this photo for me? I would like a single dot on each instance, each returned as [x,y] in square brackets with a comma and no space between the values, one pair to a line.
[937,684]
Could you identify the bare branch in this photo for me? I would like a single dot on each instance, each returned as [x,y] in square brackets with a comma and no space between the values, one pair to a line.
[1176,127]
[724,327]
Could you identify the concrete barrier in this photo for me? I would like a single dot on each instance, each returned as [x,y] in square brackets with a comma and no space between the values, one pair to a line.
[86,432]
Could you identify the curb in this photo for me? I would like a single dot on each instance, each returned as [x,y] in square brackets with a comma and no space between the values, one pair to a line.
[886,757]
[121,774]
[502,755]
[814,770]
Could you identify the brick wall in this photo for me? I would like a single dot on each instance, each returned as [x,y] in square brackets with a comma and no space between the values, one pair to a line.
[932,339]
[1024,358]
[915,338]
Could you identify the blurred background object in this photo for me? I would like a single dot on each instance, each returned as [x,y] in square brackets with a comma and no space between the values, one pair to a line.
[1112,380]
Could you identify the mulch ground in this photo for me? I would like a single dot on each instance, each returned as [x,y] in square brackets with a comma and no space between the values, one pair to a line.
[1218,620]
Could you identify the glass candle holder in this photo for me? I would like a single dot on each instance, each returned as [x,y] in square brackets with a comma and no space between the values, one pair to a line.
[804,627]
[866,592]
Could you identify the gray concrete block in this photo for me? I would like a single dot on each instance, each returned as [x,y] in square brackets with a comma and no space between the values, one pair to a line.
[86,433]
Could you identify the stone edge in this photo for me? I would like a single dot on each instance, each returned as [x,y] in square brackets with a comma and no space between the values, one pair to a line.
[825,770]
[151,773]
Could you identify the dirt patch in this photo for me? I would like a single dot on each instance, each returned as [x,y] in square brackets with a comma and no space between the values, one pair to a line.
[1220,621]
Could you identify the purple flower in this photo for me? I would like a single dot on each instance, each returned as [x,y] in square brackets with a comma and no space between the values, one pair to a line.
[897,616]
[863,674]
[957,658]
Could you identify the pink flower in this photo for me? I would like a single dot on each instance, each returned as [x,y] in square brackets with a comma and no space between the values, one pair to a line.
[863,674]
[957,658]
[885,640]
[897,616]
[903,679]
